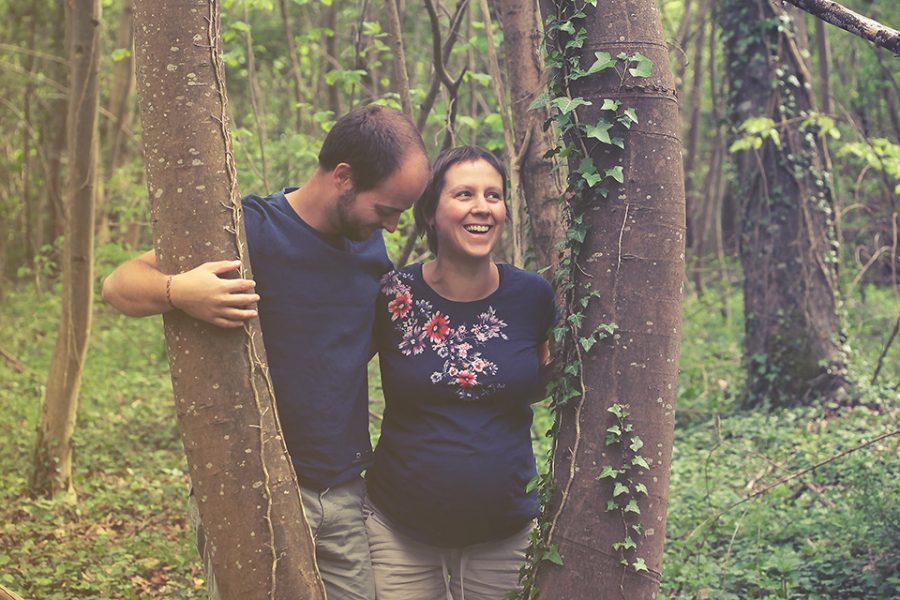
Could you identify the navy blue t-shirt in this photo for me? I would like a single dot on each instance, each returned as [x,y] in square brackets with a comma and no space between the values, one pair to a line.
[459,378]
[316,310]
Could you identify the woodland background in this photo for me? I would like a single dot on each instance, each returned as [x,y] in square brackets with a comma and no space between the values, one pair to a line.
[291,66]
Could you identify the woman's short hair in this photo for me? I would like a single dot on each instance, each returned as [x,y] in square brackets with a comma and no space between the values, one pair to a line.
[426,206]
[373,140]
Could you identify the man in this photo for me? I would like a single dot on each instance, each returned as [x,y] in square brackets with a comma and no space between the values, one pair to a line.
[317,255]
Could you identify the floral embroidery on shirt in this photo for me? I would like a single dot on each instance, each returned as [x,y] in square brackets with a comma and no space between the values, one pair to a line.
[420,327]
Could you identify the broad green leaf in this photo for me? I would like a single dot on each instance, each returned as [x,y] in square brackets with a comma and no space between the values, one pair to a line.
[643,68]
[616,173]
[599,131]
[619,489]
[632,507]
[567,105]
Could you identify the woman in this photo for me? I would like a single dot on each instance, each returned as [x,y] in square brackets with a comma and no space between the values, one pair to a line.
[462,341]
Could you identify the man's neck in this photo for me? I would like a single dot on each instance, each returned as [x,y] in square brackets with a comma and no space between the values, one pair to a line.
[315,203]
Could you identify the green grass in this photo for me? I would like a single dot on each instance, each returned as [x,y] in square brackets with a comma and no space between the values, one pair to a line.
[832,533]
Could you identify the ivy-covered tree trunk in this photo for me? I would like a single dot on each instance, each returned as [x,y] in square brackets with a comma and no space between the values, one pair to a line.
[52,472]
[793,339]
[244,482]
[613,446]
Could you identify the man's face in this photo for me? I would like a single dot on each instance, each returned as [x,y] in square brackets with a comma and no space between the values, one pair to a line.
[360,214]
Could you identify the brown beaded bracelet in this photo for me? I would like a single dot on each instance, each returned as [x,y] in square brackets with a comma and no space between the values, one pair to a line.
[169,291]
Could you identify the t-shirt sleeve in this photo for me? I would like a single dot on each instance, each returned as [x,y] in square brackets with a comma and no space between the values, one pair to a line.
[550,314]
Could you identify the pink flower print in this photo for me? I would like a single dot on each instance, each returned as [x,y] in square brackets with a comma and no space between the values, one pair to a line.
[438,327]
[463,349]
[452,371]
[400,305]
[466,379]
[479,364]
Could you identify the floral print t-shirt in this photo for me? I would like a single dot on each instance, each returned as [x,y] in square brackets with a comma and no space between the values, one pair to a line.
[459,378]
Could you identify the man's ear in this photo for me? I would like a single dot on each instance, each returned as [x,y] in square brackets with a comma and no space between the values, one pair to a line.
[342,177]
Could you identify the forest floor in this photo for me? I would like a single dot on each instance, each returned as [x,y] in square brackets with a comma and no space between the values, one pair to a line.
[831,533]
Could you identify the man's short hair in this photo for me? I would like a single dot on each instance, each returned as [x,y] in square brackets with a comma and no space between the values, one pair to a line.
[426,206]
[373,140]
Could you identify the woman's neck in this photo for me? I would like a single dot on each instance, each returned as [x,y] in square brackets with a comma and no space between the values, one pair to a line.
[462,281]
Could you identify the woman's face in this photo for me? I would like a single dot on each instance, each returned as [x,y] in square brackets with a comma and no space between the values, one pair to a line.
[470,212]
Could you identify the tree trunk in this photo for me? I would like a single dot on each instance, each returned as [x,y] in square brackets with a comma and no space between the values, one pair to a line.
[633,256]
[693,130]
[542,185]
[247,491]
[792,336]
[52,473]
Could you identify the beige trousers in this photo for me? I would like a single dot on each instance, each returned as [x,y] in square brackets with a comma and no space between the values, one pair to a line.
[409,570]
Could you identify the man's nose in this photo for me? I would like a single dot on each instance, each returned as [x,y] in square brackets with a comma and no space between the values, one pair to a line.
[390,225]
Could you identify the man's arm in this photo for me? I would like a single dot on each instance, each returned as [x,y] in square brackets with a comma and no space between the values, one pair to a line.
[138,289]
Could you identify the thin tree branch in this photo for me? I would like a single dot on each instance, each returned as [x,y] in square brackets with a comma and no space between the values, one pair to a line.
[855,23]
[790,477]
[884,350]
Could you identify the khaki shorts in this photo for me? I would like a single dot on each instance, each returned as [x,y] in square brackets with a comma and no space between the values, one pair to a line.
[409,570]
[342,550]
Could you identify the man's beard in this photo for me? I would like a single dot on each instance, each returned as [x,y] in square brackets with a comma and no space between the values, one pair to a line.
[350,228]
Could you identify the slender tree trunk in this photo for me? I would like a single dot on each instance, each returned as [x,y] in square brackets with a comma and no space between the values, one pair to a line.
[296,77]
[693,131]
[542,184]
[401,77]
[824,60]
[329,58]
[632,254]
[52,473]
[247,491]
[792,341]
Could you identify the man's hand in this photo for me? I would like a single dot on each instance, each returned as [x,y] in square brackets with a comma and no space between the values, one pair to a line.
[204,295]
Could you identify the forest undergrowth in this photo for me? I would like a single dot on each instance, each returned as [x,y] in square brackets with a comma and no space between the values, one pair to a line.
[833,532]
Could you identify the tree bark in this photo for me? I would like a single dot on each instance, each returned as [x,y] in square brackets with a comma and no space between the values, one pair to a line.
[401,77]
[633,255]
[542,184]
[52,473]
[792,344]
[247,491]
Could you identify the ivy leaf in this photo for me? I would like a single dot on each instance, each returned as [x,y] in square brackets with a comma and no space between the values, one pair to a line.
[619,489]
[552,555]
[587,343]
[617,141]
[641,489]
[615,430]
[610,104]
[644,66]
[567,105]
[628,544]
[636,444]
[617,409]
[603,61]
[632,507]
[639,461]
[640,565]
[599,131]
[576,319]
[591,179]
[611,505]
[540,101]
[629,112]
[616,173]
[534,484]
[567,27]
[607,471]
